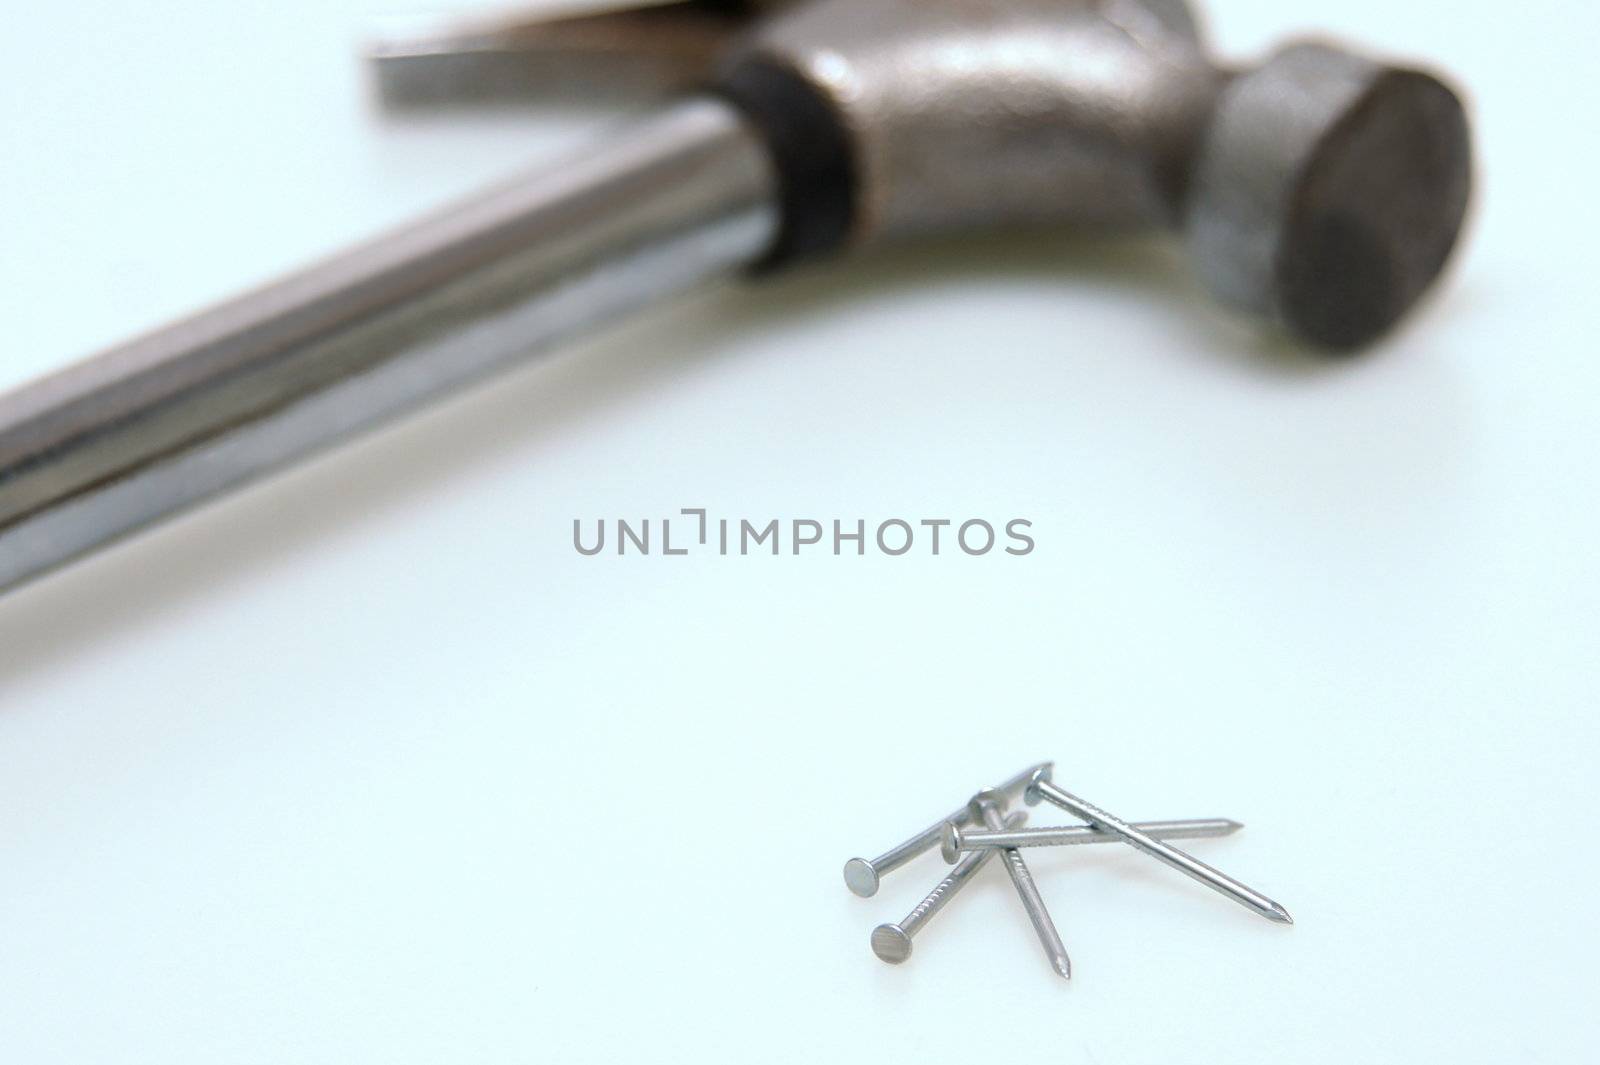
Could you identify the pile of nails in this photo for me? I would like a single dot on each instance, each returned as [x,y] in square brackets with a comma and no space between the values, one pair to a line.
[982,828]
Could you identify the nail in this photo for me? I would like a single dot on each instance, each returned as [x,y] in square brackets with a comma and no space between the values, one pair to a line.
[892,942]
[955,839]
[862,875]
[1041,787]
[986,807]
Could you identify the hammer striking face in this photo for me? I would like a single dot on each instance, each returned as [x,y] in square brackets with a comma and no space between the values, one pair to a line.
[1320,191]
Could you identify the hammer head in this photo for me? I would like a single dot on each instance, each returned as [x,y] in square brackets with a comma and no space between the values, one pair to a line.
[1328,192]
[1322,191]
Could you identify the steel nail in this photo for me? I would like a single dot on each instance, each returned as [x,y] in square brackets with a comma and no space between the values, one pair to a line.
[1042,787]
[955,839]
[862,875]
[986,807]
[892,942]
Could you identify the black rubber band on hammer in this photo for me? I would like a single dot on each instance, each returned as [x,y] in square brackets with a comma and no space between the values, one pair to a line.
[815,162]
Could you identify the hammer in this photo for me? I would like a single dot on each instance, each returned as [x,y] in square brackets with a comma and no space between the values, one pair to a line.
[1320,191]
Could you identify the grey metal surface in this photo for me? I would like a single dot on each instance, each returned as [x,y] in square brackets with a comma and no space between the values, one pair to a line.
[1041,787]
[892,942]
[160,423]
[988,807]
[975,114]
[1321,191]
[955,839]
[862,875]
[1329,192]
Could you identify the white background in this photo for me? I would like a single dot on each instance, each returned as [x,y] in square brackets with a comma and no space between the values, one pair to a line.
[367,764]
